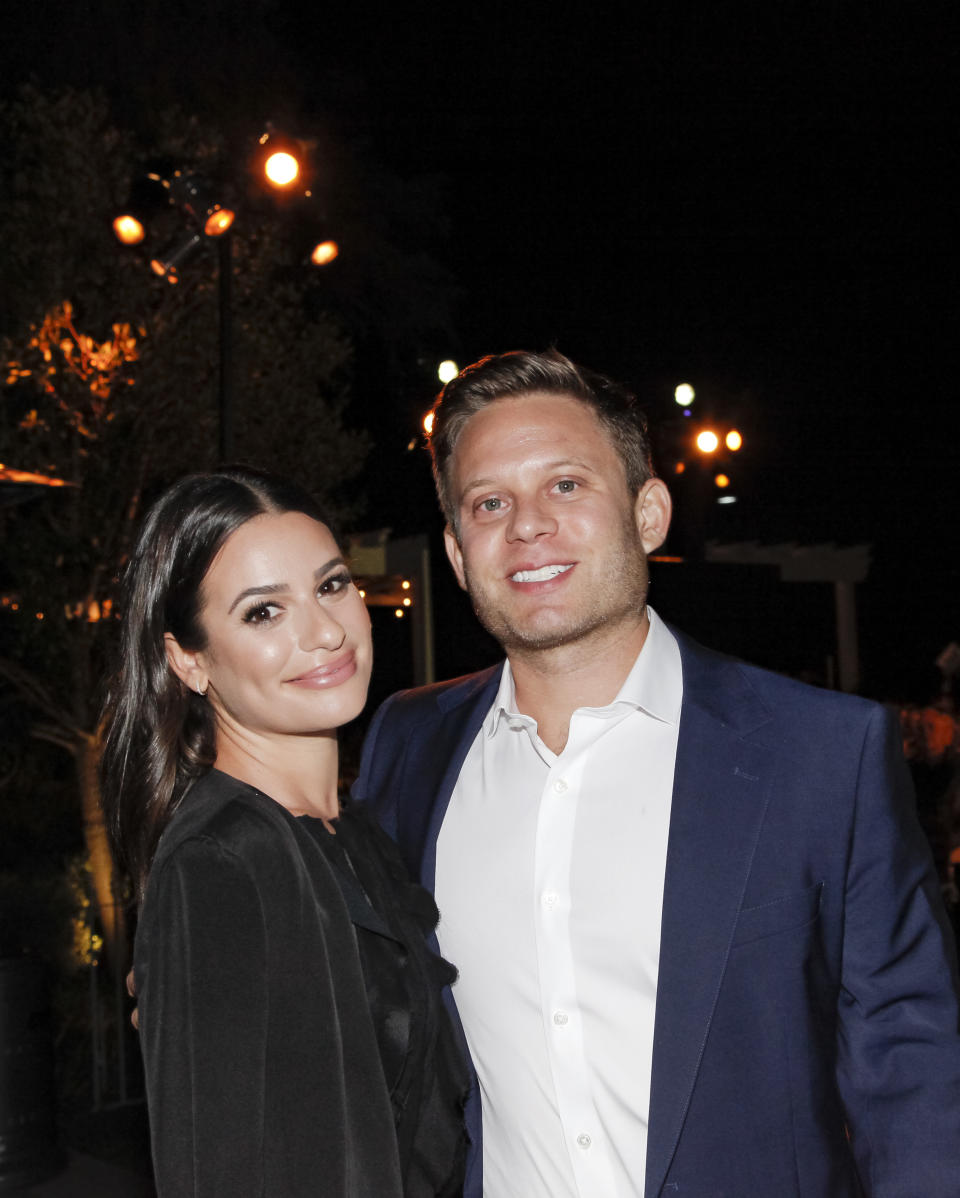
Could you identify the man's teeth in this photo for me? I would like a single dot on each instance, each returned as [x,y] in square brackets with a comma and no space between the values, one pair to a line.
[541,575]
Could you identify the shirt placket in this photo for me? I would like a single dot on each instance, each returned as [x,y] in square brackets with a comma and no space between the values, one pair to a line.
[560,1011]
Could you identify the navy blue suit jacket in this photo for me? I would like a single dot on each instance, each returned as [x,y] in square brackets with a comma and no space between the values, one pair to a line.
[806,1038]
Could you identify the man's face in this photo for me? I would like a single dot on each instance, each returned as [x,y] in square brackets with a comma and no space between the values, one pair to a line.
[553,547]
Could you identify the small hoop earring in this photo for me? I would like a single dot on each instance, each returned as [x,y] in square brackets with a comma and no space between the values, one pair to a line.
[201,693]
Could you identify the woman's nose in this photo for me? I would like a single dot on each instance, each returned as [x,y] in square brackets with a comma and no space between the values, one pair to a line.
[321,630]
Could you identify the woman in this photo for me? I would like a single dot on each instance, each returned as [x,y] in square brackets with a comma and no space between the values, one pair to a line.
[290,1018]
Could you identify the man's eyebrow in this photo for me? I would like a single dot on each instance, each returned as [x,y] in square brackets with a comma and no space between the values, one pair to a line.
[559,464]
[276,588]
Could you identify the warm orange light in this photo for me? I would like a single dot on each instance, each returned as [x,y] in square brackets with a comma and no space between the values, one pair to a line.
[722,481]
[324,252]
[8,474]
[128,229]
[398,612]
[680,467]
[219,220]
[428,422]
[405,585]
[733,439]
[407,602]
[707,441]
[281,168]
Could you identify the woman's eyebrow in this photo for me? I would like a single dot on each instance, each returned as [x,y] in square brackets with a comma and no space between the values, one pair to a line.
[274,588]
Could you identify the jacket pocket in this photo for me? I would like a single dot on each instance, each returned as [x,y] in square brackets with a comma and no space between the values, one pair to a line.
[792,910]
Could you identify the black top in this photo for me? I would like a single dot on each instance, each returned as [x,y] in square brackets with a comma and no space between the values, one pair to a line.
[425,1075]
[293,1038]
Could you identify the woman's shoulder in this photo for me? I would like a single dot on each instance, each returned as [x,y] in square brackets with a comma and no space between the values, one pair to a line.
[224,816]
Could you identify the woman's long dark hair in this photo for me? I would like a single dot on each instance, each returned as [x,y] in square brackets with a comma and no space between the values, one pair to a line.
[158,734]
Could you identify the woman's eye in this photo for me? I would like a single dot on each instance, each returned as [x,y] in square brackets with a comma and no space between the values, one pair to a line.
[262,613]
[334,584]
[566,485]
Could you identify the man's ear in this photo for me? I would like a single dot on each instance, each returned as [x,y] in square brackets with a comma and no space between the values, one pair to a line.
[186,664]
[652,510]
[455,555]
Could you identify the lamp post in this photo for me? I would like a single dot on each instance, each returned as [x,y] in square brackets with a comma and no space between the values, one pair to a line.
[225,374]
[209,220]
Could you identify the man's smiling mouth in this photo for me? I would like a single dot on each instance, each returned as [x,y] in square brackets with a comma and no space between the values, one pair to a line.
[544,574]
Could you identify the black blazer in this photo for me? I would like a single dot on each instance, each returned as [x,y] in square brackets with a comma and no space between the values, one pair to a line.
[263,1074]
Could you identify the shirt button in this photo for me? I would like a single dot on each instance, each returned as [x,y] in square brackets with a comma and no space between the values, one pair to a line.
[560,787]
[584,1140]
[561,1018]
[550,899]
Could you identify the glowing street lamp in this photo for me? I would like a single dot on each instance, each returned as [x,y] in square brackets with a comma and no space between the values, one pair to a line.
[447,371]
[279,161]
[684,395]
[733,440]
[128,229]
[707,441]
[281,169]
[324,252]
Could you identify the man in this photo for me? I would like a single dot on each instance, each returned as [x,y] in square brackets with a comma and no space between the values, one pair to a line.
[699,939]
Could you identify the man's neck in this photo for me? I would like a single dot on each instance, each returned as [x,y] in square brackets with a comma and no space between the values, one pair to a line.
[550,684]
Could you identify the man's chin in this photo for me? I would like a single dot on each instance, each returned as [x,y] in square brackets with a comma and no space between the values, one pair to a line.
[535,637]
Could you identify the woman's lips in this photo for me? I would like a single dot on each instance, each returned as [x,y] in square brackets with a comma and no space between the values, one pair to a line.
[332,674]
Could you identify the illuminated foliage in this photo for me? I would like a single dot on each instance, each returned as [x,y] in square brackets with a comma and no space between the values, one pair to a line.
[108,382]
[929,735]
[73,371]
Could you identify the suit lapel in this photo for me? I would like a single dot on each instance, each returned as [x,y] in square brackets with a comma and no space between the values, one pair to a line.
[720,794]
[463,712]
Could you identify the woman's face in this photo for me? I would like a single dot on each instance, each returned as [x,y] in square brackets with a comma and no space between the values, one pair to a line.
[288,647]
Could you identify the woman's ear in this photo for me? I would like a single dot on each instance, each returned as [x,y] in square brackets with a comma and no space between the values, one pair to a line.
[186,664]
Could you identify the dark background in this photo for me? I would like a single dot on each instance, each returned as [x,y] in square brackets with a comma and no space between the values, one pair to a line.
[751,197]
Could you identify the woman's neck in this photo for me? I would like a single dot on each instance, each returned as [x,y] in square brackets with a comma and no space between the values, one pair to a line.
[298,772]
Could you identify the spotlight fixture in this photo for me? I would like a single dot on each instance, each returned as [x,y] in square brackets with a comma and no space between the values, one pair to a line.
[281,160]
[147,197]
[128,228]
[324,252]
[167,265]
[194,195]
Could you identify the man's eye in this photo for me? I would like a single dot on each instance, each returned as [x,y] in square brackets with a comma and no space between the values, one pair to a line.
[493,504]
[566,485]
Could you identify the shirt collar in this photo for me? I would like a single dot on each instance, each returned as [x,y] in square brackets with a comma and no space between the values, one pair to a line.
[653,686]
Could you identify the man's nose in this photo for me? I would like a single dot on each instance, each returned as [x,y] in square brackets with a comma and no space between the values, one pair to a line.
[530,519]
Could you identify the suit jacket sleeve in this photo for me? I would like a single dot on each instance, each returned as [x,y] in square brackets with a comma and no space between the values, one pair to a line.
[899,1049]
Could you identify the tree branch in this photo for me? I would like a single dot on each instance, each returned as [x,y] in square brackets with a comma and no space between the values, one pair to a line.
[29,687]
[54,735]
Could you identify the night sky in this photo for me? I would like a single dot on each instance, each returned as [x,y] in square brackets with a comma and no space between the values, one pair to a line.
[754,198]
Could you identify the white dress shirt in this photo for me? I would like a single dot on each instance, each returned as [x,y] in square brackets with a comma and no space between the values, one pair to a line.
[549,881]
